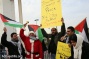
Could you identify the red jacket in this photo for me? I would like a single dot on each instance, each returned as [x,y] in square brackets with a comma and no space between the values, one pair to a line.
[37,46]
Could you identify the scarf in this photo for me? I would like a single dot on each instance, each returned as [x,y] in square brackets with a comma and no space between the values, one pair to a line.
[33,38]
[18,44]
[78,47]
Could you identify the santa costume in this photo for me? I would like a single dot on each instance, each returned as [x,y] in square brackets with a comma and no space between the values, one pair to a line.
[33,47]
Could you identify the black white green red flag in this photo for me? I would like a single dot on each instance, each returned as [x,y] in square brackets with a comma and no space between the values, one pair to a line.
[10,22]
[82,29]
[37,30]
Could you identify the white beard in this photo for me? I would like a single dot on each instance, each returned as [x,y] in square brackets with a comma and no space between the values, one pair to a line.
[33,38]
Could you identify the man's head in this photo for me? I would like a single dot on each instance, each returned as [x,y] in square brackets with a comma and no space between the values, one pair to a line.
[14,36]
[54,31]
[73,39]
[70,30]
[31,33]
[76,40]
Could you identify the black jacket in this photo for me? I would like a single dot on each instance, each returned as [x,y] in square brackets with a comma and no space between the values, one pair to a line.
[12,49]
[55,38]
[85,50]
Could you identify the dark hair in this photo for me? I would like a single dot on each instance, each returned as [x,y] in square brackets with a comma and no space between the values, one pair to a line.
[54,28]
[73,37]
[71,28]
[13,34]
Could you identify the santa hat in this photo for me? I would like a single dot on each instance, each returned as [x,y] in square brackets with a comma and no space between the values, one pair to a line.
[31,32]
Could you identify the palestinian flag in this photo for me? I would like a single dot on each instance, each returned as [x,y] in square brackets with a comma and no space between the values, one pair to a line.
[10,22]
[37,30]
[82,29]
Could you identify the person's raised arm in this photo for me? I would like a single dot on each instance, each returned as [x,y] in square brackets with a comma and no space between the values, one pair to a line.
[4,38]
[22,35]
[63,29]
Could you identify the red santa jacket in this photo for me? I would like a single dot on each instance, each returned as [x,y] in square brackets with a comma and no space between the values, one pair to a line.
[37,46]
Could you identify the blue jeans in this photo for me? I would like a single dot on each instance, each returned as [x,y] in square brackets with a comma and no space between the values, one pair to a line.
[53,56]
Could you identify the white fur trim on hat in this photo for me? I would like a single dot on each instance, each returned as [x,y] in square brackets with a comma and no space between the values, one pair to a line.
[31,32]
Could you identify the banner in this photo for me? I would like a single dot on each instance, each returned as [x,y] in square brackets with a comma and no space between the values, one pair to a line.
[51,13]
[63,51]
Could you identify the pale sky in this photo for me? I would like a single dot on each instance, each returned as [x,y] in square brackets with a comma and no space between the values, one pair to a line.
[73,11]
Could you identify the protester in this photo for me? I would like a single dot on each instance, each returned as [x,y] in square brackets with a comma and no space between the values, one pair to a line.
[70,31]
[55,37]
[80,47]
[65,38]
[32,44]
[15,48]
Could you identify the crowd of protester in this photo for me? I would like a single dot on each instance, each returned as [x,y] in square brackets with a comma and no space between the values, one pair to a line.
[33,48]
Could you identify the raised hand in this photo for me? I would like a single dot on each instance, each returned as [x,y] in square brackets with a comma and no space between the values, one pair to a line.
[4,29]
[62,38]
[26,23]
[62,19]
[40,25]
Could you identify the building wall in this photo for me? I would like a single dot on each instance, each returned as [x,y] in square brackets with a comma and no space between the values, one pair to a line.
[7,8]
[1,4]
